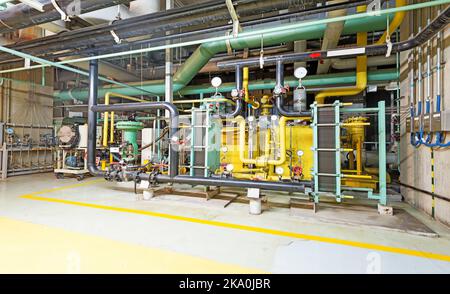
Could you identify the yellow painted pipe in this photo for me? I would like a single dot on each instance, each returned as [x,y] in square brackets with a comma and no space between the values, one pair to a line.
[361,72]
[111,135]
[263,160]
[359,156]
[358,177]
[245,77]
[108,95]
[396,22]
[355,124]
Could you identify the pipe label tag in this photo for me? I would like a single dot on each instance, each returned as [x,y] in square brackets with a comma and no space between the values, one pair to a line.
[373,9]
[344,52]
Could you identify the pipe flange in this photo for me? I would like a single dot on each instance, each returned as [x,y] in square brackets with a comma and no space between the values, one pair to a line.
[152,182]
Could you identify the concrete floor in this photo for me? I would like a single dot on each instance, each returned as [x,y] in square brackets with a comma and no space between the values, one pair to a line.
[64,226]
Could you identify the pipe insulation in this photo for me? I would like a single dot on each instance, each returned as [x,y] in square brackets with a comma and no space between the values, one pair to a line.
[439,23]
[150,24]
[206,51]
[107,47]
[22,16]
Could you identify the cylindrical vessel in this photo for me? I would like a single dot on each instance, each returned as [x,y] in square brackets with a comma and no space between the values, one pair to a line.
[300,99]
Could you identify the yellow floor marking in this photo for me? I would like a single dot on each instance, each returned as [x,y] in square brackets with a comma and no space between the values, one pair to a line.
[250,228]
[87,183]
[32,248]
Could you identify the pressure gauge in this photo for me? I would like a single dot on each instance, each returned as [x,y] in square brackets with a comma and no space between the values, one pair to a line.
[216,82]
[300,153]
[224,149]
[251,118]
[300,73]
[229,167]
[10,131]
[274,117]
[234,93]
[279,170]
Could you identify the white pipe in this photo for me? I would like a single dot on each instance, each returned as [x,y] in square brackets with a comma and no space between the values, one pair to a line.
[438,66]
[419,78]
[412,84]
[428,70]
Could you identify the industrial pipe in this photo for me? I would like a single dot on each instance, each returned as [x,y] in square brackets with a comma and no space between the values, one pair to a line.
[159,22]
[264,160]
[22,16]
[174,124]
[279,83]
[92,120]
[223,182]
[263,32]
[154,23]
[206,51]
[106,115]
[395,24]
[372,50]
[311,82]
[361,71]
[239,104]
[245,82]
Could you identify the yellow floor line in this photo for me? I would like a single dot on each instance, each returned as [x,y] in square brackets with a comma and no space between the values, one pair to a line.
[34,248]
[87,183]
[249,228]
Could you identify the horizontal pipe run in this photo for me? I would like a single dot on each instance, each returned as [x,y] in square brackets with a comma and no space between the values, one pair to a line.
[441,197]
[22,16]
[271,34]
[46,63]
[207,50]
[102,48]
[157,23]
[183,17]
[221,182]
[174,123]
[375,77]
[374,50]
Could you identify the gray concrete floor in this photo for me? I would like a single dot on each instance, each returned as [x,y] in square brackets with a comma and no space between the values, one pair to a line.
[313,245]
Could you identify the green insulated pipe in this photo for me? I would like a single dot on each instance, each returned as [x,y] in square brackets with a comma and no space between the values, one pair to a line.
[312,81]
[206,51]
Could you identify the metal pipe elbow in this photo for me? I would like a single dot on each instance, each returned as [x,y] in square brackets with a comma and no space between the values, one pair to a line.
[283,112]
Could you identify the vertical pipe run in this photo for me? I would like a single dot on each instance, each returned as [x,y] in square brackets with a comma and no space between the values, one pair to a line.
[433,200]
[92,119]
[382,151]
[239,104]
[419,85]
[280,74]
[428,101]
[438,72]
[279,84]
